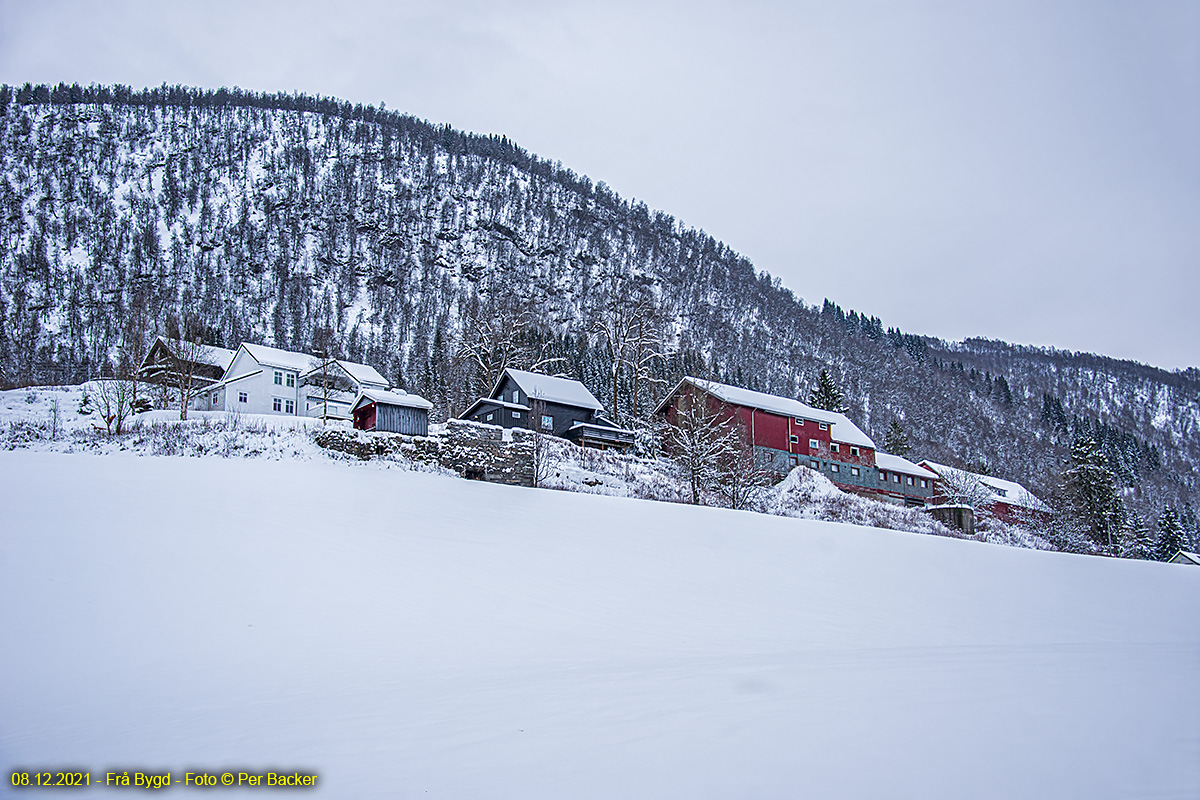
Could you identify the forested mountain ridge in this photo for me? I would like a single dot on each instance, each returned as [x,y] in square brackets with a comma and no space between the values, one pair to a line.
[439,256]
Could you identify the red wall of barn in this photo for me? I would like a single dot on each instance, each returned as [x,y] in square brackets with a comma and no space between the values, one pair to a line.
[364,417]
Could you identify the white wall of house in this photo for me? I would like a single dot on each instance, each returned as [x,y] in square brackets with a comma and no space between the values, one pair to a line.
[252,388]
[249,387]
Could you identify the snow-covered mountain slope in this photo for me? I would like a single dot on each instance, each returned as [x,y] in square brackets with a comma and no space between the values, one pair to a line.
[406,634]
[307,224]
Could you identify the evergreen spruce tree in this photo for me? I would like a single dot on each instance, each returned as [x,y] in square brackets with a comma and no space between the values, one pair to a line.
[1092,493]
[827,396]
[1135,539]
[895,441]
[1170,535]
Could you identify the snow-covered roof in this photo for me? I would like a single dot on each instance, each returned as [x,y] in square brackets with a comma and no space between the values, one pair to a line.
[206,354]
[1010,492]
[393,398]
[335,395]
[274,357]
[304,363]
[600,427]
[1184,557]
[894,463]
[364,374]
[552,390]
[841,429]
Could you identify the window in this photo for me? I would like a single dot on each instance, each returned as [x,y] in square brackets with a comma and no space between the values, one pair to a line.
[216,397]
[277,404]
[243,397]
[291,379]
[855,471]
[489,417]
[834,468]
[833,446]
[278,380]
[896,478]
[815,464]
[795,461]
[814,444]
[854,450]
[289,407]
[824,426]
[547,422]
[924,483]
[516,415]
[911,482]
[794,439]
[800,422]
[516,396]
[882,475]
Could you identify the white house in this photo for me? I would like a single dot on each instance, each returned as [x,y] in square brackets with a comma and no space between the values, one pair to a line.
[267,380]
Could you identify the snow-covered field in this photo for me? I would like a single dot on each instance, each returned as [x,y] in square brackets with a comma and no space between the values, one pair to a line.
[407,634]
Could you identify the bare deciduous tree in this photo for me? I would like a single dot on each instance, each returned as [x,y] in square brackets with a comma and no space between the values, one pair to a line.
[700,438]
[189,355]
[741,476]
[626,326]
[964,488]
[496,336]
[115,398]
[540,447]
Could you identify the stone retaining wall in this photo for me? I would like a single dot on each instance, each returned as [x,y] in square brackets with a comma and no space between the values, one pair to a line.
[483,452]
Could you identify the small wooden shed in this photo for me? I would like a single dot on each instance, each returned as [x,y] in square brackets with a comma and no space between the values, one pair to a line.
[391,411]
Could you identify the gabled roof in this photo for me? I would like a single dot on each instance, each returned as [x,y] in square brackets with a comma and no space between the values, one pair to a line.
[894,463]
[206,354]
[1010,492]
[397,398]
[1184,557]
[552,390]
[363,374]
[304,363]
[274,357]
[841,429]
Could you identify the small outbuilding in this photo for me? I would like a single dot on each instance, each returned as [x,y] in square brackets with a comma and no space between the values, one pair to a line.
[391,411]
[1184,557]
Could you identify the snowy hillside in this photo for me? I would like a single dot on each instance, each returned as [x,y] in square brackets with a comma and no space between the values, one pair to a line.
[439,256]
[406,634]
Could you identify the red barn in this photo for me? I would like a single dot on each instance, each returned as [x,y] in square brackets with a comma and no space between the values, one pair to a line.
[787,433]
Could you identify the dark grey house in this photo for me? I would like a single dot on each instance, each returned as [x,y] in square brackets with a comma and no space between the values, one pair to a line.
[556,406]
[391,411]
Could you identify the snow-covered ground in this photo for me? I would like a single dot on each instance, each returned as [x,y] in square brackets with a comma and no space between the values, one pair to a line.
[409,634]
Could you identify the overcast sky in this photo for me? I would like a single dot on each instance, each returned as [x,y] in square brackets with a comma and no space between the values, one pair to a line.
[1028,171]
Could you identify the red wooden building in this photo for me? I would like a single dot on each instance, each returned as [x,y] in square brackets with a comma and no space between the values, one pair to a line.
[787,433]
[1007,501]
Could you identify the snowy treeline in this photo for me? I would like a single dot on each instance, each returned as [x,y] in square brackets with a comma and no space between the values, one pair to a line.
[440,257]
